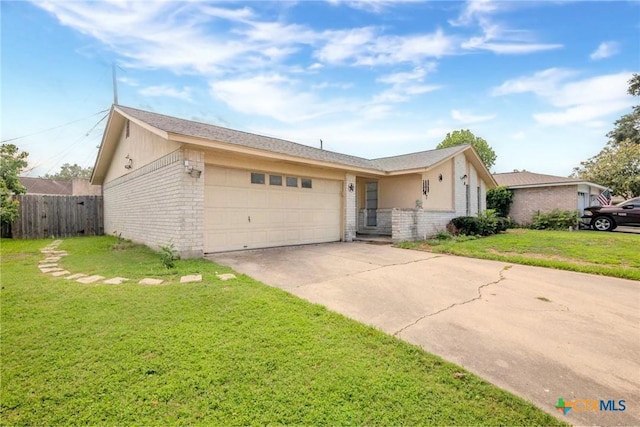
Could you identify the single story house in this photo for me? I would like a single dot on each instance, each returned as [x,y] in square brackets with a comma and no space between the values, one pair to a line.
[60,187]
[207,189]
[535,192]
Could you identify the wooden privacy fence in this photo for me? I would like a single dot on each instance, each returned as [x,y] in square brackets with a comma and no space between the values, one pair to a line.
[58,216]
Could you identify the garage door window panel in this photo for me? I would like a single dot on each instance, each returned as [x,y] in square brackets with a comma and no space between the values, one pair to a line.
[292,181]
[306,183]
[257,178]
[275,180]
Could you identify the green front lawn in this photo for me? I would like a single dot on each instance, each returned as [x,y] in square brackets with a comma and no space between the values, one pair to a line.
[215,353]
[609,254]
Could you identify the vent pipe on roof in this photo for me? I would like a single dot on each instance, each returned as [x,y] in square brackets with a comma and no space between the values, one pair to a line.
[321,145]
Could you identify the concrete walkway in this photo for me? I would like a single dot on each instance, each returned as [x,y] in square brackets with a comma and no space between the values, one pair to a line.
[540,333]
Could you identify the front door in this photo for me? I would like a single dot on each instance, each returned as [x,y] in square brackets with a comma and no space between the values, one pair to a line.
[371,201]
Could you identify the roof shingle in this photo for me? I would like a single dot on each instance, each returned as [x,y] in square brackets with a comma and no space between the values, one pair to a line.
[511,179]
[175,125]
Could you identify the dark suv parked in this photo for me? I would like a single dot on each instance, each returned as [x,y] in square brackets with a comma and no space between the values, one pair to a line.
[606,218]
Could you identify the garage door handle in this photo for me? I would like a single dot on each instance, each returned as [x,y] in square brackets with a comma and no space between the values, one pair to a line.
[249,218]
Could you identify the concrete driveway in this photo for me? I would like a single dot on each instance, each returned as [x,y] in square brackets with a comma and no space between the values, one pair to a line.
[540,333]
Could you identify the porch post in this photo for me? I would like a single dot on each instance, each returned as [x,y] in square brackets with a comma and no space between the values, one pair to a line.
[350,214]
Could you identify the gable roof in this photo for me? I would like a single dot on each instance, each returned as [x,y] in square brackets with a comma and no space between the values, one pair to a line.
[46,186]
[188,131]
[530,179]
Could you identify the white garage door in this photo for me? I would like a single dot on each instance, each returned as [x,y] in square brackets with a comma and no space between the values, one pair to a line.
[247,209]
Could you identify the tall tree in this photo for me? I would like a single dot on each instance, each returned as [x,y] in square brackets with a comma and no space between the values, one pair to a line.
[12,162]
[617,166]
[465,136]
[68,172]
[627,127]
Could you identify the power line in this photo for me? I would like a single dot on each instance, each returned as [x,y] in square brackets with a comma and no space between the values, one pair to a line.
[55,127]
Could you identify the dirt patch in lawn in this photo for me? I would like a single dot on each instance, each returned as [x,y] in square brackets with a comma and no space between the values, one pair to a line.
[542,256]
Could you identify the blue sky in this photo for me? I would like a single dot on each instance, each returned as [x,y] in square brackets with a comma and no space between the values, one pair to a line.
[542,81]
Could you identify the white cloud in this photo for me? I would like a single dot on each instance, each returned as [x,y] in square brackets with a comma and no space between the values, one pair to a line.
[474,10]
[167,91]
[542,83]
[274,96]
[345,44]
[579,101]
[495,37]
[465,117]
[605,50]
[374,6]
[405,84]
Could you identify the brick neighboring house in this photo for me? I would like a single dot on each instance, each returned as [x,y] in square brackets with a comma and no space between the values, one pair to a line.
[206,188]
[53,187]
[534,192]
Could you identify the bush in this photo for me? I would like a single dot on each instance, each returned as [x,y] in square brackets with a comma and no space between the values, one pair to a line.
[485,224]
[555,220]
[500,199]
[168,256]
[467,225]
[443,235]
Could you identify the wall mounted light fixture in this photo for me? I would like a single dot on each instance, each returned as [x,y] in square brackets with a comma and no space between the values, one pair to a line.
[351,187]
[440,177]
[128,164]
[463,178]
[194,173]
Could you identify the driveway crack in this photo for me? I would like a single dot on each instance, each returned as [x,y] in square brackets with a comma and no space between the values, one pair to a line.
[442,310]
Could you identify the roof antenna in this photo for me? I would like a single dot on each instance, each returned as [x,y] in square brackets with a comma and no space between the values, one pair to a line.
[321,144]
[115,83]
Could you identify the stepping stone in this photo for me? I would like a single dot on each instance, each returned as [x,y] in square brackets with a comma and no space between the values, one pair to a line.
[52,259]
[192,278]
[90,279]
[75,276]
[226,276]
[148,281]
[51,269]
[51,265]
[115,281]
[60,273]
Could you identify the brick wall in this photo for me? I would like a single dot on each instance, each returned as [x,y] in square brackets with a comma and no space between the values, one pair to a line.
[418,224]
[350,218]
[528,201]
[159,203]
[384,223]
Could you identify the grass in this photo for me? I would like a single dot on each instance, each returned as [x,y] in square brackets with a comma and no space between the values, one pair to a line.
[609,254]
[211,353]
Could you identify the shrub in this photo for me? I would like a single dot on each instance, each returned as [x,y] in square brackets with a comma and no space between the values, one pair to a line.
[500,199]
[467,225]
[443,235]
[555,220]
[487,222]
[168,255]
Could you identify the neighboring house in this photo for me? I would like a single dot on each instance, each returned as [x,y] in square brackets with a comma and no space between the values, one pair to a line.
[207,189]
[53,187]
[535,192]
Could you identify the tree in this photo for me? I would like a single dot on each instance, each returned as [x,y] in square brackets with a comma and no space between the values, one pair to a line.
[464,136]
[617,167]
[627,127]
[500,199]
[12,162]
[68,172]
